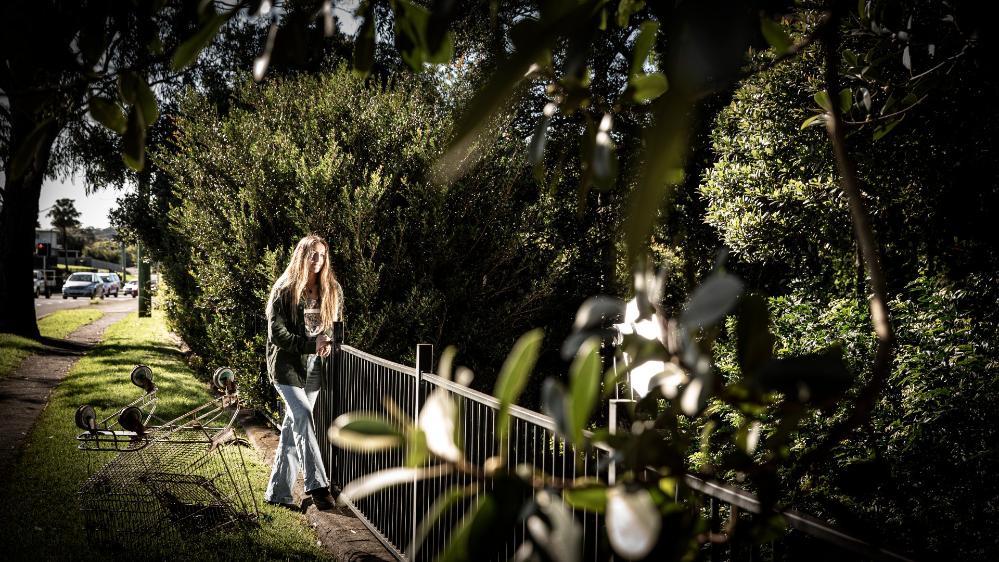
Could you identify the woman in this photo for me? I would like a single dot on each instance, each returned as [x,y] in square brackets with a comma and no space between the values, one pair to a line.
[304,303]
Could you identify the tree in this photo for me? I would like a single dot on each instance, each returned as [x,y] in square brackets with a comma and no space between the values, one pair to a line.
[64,216]
[68,70]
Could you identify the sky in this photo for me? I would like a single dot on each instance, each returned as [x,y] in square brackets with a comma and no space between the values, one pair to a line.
[93,208]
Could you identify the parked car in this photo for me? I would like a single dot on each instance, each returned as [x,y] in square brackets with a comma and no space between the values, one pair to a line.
[83,285]
[112,284]
[131,288]
[41,288]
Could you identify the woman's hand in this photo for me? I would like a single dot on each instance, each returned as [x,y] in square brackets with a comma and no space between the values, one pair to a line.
[323,345]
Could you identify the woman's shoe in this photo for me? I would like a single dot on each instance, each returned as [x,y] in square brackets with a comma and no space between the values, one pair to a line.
[322,498]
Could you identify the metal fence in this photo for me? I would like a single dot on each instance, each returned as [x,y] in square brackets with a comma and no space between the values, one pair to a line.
[357,381]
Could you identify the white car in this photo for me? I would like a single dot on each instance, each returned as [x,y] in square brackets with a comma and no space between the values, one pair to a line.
[82,284]
[131,288]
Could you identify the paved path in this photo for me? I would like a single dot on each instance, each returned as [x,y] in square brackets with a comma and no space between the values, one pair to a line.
[25,392]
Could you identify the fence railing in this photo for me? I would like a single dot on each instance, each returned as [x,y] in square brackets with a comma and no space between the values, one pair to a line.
[357,381]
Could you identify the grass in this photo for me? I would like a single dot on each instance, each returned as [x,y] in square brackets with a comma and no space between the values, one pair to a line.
[38,497]
[14,349]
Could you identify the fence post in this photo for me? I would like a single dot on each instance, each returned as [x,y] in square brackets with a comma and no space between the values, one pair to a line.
[614,419]
[332,406]
[424,364]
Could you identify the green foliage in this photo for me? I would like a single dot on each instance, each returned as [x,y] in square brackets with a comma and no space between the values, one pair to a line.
[926,454]
[475,263]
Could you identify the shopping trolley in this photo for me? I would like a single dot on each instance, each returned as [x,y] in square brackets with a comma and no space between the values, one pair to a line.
[165,479]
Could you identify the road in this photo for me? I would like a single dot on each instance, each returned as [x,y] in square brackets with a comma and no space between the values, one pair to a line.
[45,306]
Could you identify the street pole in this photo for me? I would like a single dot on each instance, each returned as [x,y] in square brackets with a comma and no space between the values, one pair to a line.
[144,296]
[124,262]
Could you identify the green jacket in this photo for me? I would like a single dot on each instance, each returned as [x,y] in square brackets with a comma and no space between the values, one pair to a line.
[291,355]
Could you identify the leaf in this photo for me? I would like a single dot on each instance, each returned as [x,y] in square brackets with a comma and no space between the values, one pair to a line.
[362,431]
[513,377]
[553,403]
[748,436]
[584,387]
[775,35]
[819,119]
[442,504]
[134,148]
[633,522]
[822,98]
[135,91]
[845,99]
[598,310]
[906,58]
[417,451]
[603,156]
[480,515]
[438,421]
[188,51]
[850,57]
[643,46]
[711,300]
[647,87]
[556,530]
[28,150]
[695,395]
[666,146]
[754,342]
[107,113]
[536,148]
[588,495]
[375,481]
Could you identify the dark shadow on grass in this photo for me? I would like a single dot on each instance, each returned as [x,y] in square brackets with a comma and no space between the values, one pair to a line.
[107,350]
[66,345]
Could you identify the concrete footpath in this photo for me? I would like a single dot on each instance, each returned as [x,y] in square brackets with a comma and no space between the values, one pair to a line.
[341,533]
[25,392]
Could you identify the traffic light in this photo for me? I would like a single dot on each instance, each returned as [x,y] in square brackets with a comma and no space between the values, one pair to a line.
[42,249]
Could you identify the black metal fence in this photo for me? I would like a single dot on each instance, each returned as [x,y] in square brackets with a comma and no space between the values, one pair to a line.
[357,381]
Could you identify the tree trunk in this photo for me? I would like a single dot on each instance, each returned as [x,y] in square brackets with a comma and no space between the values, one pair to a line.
[17,232]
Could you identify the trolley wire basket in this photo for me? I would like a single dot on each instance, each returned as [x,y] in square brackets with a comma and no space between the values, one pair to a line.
[166,480]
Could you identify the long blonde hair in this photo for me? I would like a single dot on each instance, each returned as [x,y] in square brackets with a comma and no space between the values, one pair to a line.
[296,276]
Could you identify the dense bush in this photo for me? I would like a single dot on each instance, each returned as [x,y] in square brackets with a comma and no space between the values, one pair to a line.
[474,263]
[924,460]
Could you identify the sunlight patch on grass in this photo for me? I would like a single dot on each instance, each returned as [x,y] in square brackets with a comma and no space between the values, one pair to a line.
[14,349]
[38,498]
[64,322]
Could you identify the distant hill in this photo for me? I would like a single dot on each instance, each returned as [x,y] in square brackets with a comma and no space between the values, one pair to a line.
[104,233]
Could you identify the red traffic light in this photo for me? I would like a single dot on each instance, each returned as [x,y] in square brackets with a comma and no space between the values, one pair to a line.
[42,249]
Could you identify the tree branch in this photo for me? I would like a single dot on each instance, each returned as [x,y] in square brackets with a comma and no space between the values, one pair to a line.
[864,234]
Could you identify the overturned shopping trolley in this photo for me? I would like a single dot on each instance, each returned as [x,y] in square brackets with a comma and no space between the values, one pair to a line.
[154,480]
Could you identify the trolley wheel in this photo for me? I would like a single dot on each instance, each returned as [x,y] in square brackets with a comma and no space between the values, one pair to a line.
[86,418]
[130,419]
[142,377]
[223,377]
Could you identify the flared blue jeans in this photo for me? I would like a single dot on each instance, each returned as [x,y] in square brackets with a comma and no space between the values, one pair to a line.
[297,448]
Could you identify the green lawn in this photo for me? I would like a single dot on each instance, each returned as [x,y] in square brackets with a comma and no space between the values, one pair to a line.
[38,498]
[13,349]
